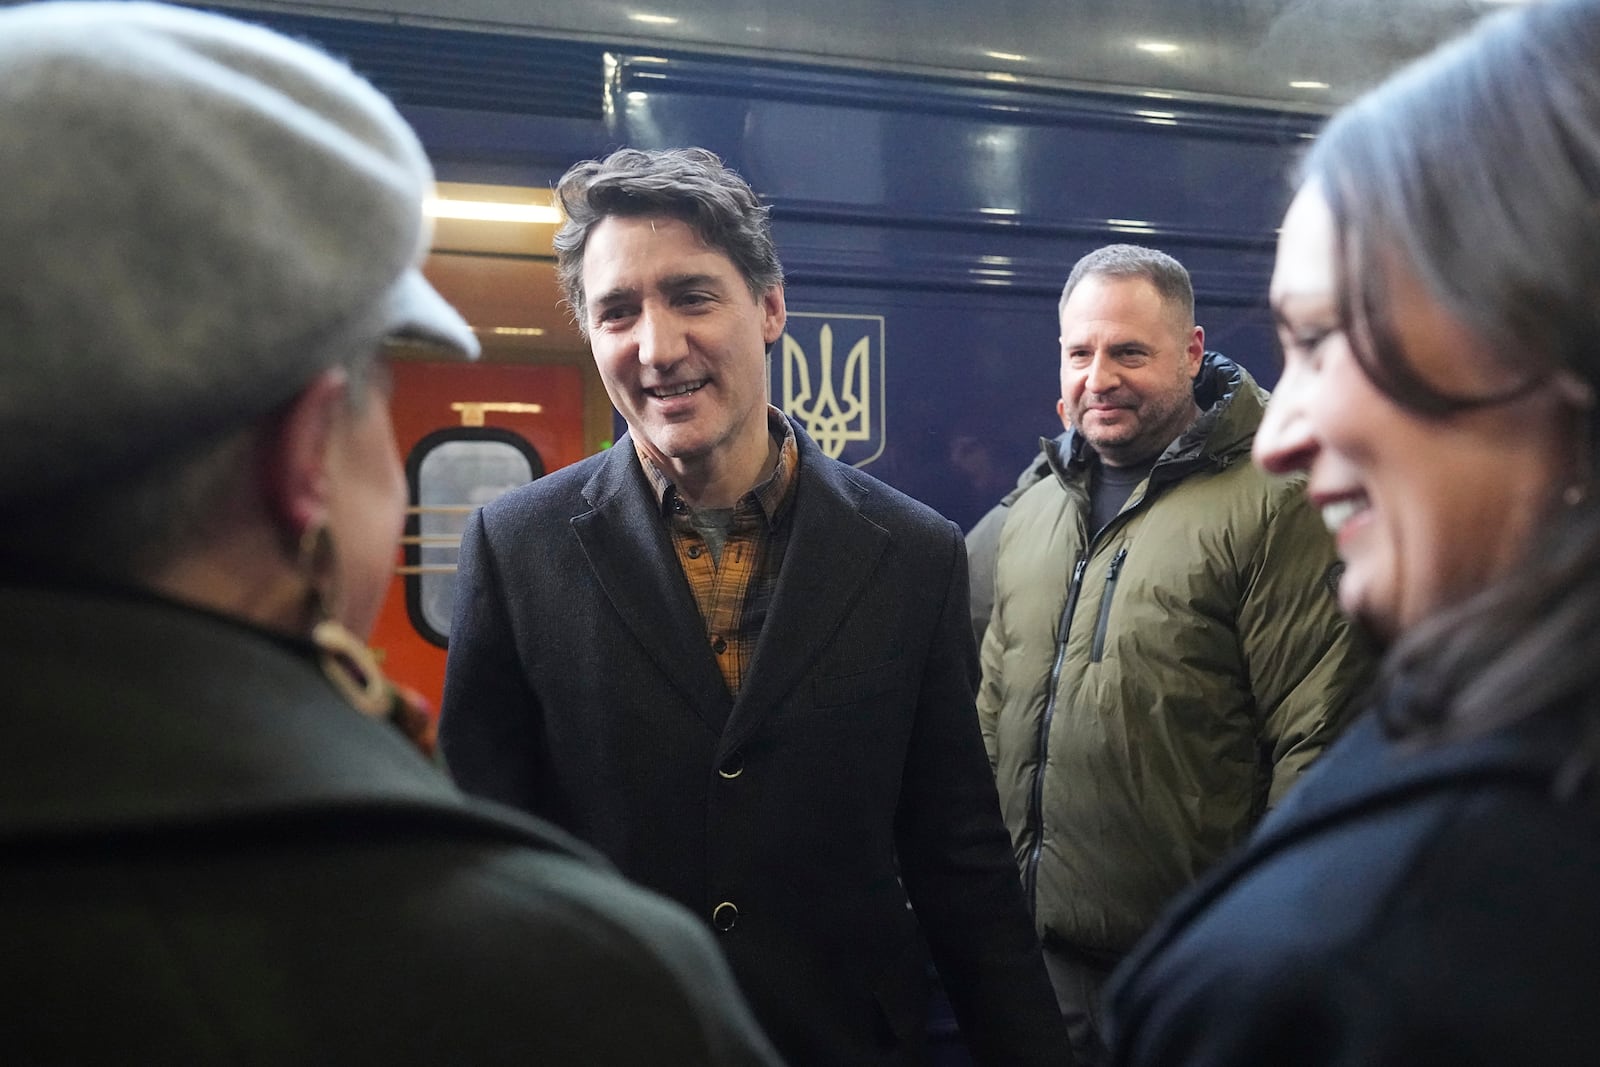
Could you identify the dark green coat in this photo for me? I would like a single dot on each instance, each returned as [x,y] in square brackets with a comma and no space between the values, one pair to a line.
[1205,664]
[207,857]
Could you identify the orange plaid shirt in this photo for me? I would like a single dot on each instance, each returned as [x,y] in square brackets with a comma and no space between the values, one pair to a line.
[735,594]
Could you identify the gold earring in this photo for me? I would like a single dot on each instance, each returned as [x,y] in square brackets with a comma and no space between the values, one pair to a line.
[351,667]
[346,660]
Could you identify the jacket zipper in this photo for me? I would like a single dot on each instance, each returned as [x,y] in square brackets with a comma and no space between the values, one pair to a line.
[1105,605]
[1030,879]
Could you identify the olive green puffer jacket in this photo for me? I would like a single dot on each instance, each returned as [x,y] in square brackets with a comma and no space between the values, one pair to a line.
[1178,670]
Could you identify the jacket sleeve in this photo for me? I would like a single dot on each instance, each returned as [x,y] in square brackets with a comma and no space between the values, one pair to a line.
[1308,666]
[956,858]
[991,651]
[490,719]
[983,545]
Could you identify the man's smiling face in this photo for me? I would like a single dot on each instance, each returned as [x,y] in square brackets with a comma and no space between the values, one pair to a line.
[679,341]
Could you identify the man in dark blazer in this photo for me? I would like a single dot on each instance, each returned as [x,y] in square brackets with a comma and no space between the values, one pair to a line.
[741,669]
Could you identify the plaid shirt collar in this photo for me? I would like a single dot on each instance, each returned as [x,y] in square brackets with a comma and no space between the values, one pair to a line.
[770,495]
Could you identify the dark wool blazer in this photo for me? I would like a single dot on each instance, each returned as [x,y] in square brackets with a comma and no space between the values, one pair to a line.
[844,795]
[1403,906]
[207,857]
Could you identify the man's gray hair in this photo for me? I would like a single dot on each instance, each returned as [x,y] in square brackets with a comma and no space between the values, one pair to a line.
[1166,274]
[688,184]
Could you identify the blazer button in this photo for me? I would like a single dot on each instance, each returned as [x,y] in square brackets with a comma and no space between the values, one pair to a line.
[719,644]
[724,915]
[694,551]
[732,767]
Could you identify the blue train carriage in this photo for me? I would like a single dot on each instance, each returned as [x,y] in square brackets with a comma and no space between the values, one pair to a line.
[933,174]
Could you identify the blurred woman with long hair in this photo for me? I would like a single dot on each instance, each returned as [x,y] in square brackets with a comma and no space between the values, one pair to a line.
[1428,895]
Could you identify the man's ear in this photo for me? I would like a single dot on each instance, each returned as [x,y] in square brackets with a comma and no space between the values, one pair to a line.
[774,314]
[295,453]
[1195,350]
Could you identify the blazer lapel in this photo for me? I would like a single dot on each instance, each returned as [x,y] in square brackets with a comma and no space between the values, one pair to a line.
[832,553]
[630,551]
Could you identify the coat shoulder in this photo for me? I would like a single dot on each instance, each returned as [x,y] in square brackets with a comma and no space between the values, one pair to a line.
[879,501]
[556,496]
[1338,927]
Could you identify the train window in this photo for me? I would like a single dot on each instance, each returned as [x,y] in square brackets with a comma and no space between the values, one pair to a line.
[451,472]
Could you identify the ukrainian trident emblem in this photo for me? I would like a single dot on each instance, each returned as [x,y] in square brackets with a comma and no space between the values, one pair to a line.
[843,413]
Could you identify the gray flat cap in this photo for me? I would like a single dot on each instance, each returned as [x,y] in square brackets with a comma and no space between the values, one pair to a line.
[198,216]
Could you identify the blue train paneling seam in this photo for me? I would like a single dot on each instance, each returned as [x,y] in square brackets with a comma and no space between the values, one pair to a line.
[786,208]
[817,262]
[830,87]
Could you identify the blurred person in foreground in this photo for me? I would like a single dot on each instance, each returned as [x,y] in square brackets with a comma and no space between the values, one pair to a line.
[213,847]
[1427,895]
[738,667]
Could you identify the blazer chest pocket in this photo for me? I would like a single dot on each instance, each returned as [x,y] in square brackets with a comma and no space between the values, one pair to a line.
[857,687]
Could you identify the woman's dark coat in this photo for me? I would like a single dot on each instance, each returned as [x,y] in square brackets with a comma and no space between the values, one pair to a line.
[206,857]
[1403,907]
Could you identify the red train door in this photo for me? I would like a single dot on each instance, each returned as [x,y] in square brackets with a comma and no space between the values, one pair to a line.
[532,404]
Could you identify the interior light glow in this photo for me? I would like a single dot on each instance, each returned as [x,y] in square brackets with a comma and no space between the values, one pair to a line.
[1156,114]
[490,211]
[654,20]
[1308,85]
[1159,48]
[1012,56]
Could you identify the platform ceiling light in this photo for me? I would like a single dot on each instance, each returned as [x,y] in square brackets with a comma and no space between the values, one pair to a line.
[1130,226]
[1308,85]
[1156,114]
[653,20]
[1156,94]
[1001,76]
[1157,48]
[491,211]
[1010,56]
